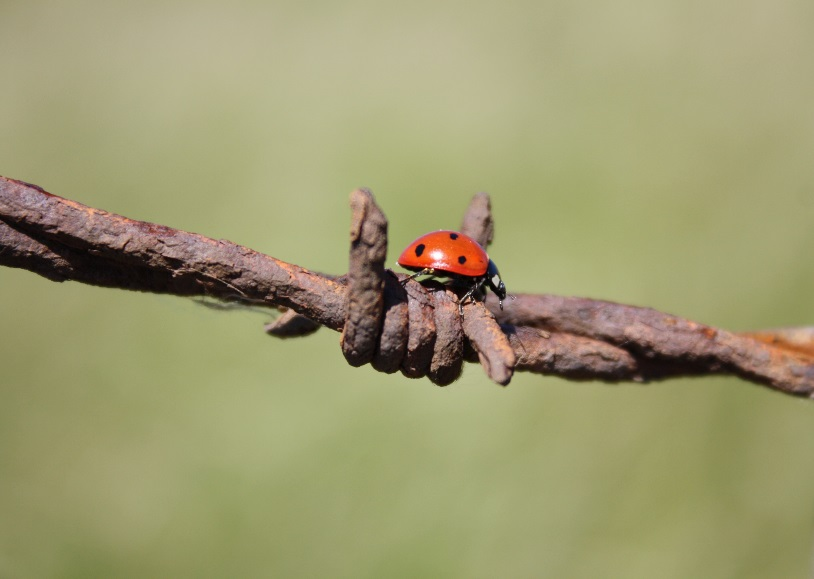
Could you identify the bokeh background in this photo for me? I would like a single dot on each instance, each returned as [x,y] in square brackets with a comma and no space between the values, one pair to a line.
[658,154]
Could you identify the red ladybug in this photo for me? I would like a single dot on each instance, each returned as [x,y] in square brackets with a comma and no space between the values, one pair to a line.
[456,256]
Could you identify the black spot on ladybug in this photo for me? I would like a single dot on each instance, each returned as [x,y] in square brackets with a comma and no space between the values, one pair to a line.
[453,236]
[462,259]
[419,249]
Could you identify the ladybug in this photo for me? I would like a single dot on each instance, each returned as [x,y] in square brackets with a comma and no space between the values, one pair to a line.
[456,256]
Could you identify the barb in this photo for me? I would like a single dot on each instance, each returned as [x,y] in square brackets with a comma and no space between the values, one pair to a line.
[365,299]
[478,223]
[414,328]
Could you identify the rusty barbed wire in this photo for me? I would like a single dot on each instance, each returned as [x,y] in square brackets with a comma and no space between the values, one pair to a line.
[409,327]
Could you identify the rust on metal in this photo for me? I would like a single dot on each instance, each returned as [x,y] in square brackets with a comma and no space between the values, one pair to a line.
[412,327]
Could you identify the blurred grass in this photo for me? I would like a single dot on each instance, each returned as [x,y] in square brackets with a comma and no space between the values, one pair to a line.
[655,154]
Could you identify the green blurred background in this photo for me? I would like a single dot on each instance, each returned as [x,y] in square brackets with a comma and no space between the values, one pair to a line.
[659,154]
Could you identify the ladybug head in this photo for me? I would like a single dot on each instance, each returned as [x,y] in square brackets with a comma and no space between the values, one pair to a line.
[495,283]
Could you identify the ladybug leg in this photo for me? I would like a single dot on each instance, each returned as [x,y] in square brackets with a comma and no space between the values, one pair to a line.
[469,294]
[425,271]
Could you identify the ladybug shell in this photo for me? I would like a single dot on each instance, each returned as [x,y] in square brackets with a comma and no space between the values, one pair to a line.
[447,251]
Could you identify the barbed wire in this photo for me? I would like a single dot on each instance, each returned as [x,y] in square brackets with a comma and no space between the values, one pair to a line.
[387,322]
